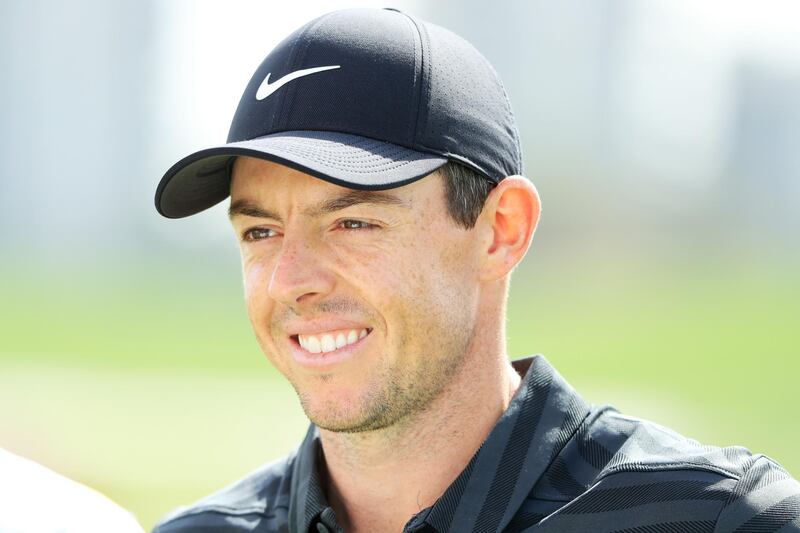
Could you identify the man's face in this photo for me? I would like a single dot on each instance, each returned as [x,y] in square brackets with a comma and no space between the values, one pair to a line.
[365,301]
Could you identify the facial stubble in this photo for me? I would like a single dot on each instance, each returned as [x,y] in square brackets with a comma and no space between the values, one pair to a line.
[396,393]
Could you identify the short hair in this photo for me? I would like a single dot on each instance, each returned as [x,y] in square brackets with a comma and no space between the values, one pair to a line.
[466,191]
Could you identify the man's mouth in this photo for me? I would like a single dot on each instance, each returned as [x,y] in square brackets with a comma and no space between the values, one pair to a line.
[329,341]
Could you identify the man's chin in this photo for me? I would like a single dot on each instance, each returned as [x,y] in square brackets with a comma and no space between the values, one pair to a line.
[351,426]
[347,416]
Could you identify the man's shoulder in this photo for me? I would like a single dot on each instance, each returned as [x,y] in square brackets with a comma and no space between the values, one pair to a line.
[632,471]
[640,445]
[257,503]
[744,491]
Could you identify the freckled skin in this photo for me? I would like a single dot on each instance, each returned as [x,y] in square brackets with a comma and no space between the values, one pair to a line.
[413,280]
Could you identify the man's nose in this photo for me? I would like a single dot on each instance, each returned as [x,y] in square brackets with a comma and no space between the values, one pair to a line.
[300,275]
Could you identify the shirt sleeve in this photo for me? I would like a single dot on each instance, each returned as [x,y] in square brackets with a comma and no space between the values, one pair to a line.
[765,499]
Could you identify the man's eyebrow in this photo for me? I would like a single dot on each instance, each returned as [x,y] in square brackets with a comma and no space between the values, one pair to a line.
[250,209]
[356,197]
[337,203]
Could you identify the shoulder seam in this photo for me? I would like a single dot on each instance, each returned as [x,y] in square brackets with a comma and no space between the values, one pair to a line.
[755,459]
[683,465]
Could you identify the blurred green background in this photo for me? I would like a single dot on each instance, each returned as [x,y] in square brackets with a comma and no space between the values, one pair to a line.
[664,138]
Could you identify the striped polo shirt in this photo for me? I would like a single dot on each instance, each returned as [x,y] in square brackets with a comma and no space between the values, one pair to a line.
[552,463]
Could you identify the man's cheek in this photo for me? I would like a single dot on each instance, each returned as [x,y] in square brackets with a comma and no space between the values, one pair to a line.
[256,287]
[256,295]
[255,281]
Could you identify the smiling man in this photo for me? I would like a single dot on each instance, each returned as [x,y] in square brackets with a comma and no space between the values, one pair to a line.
[374,171]
[366,300]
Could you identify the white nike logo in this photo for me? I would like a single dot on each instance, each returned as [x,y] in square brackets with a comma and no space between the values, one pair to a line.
[266,88]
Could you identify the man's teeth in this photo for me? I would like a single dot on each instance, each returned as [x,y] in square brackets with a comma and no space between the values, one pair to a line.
[328,342]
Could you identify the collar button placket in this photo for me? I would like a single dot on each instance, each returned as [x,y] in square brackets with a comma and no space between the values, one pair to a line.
[327,522]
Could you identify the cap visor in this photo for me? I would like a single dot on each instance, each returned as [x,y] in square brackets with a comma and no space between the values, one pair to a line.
[202,179]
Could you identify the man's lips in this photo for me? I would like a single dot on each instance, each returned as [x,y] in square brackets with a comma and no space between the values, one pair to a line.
[329,341]
[309,352]
[322,325]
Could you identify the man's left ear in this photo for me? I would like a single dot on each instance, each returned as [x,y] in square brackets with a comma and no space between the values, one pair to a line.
[508,220]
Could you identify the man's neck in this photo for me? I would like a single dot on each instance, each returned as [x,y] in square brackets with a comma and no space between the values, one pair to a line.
[377,480]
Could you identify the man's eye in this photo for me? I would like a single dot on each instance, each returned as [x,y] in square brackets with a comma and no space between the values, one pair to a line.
[257,234]
[356,224]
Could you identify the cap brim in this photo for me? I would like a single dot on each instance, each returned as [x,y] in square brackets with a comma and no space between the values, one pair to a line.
[202,179]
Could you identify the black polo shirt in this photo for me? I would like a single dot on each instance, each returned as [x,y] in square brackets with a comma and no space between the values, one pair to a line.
[552,463]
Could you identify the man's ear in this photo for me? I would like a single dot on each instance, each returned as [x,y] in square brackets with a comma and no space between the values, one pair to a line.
[508,220]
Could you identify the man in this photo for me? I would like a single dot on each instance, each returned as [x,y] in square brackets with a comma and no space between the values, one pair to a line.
[374,170]
[34,499]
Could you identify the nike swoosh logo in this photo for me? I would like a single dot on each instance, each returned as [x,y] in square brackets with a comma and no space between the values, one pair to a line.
[266,88]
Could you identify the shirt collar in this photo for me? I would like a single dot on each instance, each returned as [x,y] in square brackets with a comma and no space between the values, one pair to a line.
[307,499]
[542,416]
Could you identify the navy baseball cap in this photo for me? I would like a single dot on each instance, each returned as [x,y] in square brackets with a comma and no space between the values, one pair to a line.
[363,98]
